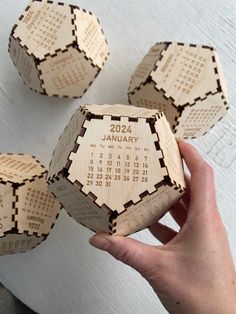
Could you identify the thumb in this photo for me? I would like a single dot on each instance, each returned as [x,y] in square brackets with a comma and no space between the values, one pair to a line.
[138,255]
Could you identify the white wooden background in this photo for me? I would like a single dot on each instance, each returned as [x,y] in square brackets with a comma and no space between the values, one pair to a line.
[66,275]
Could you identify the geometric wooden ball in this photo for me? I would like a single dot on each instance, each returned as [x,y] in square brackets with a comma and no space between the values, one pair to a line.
[117,168]
[58,49]
[186,82]
[28,210]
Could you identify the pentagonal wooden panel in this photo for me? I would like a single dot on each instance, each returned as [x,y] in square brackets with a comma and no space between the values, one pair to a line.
[26,65]
[150,210]
[45,27]
[16,243]
[147,65]
[121,160]
[7,210]
[26,204]
[58,49]
[68,73]
[90,37]
[182,76]
[148,96]
[199,118]
[37,208]
[117,160]
[170,152]
[80,206]
[66,144]
[19,168]
[183,72]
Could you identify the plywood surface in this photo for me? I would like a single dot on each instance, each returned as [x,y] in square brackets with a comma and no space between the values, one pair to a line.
[120,155]
[65,275]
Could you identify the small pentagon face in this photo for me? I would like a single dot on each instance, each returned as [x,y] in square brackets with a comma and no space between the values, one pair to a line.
[18,168]
[186,82]
[67,73]
[118,160]
[28,210]
[58,49]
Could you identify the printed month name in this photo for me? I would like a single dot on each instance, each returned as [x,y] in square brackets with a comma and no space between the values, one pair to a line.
[120,138]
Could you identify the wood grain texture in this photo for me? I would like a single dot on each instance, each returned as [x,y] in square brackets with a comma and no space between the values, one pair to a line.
[65,275]
[119,161]
[58,49]
[187,81]
[27,208]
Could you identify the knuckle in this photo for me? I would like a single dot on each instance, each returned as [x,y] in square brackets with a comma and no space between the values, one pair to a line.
[123,255]
[121,252]
[209,170]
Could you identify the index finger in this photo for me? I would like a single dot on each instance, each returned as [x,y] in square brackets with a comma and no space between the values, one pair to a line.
[202,188]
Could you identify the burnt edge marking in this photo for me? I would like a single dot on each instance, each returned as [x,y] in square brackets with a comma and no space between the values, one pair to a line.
[36,234]
[165,182]
[181,108]
[14,204]
[88,116]
[112,222]
[218,89]
[90,195]
[26,10]
[75,149]
[99,24]
[36,62]
[200,99]
[162,92]
[23,250]
[148,78]
[50,2]
[149,226]
[162,164]
[14,207]
[15,230]
[74,46]
[73,22]
[162,161]
[44,171]
[55,175]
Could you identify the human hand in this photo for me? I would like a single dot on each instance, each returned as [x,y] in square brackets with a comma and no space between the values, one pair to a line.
[193,271]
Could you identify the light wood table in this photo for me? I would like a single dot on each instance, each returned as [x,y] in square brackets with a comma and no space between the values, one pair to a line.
[65,275]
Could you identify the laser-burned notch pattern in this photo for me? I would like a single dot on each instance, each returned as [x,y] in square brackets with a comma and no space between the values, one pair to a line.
[28,210]
[187,84]
[120,160]
[117,162]
[58,49]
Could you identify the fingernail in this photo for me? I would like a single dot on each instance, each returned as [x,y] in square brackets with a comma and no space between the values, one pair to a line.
[100,242]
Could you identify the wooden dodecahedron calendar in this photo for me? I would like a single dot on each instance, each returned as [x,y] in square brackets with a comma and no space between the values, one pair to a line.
[184,81]
[116,168]
[58,49]
[28,210]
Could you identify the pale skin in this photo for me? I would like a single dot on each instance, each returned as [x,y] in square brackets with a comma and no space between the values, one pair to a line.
[192,271]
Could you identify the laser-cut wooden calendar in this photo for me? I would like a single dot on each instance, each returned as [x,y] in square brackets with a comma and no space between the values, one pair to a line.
[116,168]
[28,210]
[58,49]
[184,81]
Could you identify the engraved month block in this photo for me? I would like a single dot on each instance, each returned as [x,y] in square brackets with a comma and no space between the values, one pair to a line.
[58,49]
[185,82]
[116,168]
[28,210]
